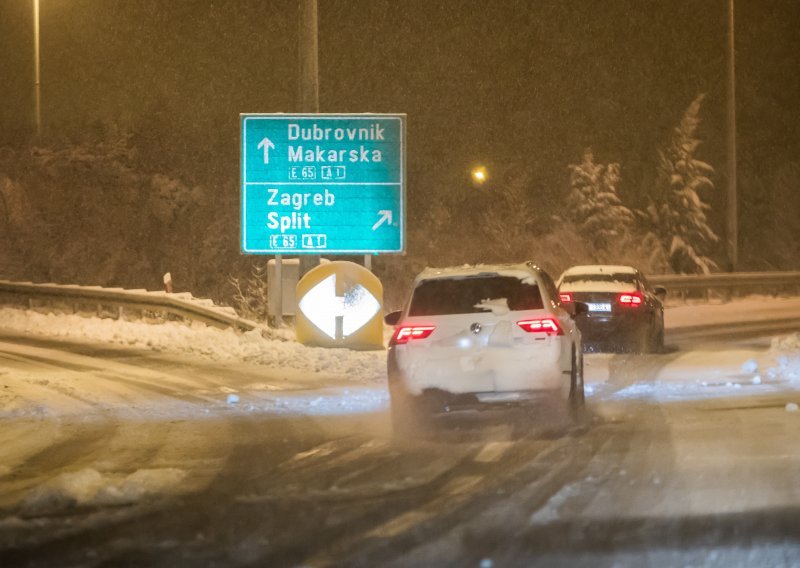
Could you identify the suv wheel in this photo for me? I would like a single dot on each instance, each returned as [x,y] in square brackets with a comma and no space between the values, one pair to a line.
[410,416]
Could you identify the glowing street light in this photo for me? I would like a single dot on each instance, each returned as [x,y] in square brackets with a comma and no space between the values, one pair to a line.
[479,175]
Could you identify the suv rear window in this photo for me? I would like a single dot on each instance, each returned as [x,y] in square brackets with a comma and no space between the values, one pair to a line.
[441,296]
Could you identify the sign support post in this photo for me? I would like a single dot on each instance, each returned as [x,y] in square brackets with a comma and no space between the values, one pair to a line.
[309,83]
[278,307]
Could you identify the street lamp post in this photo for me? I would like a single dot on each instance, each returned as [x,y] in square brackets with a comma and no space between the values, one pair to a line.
[37,71]
[308,92]
[308,102]
[731,232]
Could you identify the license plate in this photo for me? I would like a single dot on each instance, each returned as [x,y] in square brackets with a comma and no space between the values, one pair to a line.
[604,307]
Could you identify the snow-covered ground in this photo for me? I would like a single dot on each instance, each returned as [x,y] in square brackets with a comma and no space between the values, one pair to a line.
[173,370]
[270,372]
[114,417]
[750,309]
[279,350]
[706,368]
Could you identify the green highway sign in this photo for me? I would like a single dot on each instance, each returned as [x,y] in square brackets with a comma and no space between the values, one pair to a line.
[322,183]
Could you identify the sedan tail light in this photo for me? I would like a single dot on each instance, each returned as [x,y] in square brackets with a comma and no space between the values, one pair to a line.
[548,326]
[630,299]
[405,333]
[566,297]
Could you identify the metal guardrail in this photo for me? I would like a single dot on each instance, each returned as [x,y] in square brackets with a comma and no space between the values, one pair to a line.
[767,283]
[182,305]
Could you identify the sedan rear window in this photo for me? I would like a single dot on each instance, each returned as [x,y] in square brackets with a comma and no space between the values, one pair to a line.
[623,277]
[441,296]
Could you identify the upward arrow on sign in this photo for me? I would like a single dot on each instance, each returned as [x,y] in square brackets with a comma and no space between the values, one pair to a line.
[266,143]
[323,307]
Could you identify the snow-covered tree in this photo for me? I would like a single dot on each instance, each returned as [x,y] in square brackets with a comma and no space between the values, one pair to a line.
[593,203]
[509,219]
[678,212]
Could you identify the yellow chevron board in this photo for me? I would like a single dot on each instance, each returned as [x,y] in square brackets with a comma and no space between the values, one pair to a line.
[340,304]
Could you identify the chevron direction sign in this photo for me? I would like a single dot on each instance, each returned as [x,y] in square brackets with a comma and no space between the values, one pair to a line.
[322,183]
[340,305]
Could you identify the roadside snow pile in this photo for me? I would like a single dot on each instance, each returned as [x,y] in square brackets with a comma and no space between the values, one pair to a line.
[336,401]
[750,309]
[201,340]
[750,366]
[785,351]
[89,487]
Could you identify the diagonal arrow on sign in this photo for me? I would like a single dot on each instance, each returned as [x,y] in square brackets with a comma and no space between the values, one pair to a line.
[323,307]
[386,217]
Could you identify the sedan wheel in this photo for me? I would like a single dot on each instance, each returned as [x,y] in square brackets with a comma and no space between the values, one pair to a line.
[657,343]
[577,397]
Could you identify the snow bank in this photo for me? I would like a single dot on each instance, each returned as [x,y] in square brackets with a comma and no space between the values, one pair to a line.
[332,401]
[705,371]
[785,353]
[277,351]
[88,487]
[751,309]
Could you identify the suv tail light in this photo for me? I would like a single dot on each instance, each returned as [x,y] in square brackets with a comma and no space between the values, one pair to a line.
[630,299]
[566,297]
[405,333]
[547,326]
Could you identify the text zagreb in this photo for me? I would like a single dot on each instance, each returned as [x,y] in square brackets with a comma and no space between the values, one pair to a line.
[297,201]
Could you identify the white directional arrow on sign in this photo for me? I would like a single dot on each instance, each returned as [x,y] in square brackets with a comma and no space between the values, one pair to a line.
[386,217]
[322,307]
[266,143]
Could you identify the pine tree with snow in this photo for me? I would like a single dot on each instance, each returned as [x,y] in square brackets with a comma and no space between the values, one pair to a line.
[679,212]
[508,218]
[594,205]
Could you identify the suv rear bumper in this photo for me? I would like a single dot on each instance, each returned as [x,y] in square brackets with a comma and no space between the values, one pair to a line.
[437,401]
[494,370]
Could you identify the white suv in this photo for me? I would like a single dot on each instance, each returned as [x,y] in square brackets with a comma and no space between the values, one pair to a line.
[476,335]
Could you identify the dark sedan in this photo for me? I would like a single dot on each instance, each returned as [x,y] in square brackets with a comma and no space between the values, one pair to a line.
[624,312]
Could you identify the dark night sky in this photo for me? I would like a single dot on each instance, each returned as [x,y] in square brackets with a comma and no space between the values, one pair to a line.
[513,84]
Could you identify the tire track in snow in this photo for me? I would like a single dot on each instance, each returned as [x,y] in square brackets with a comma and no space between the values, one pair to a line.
[466,488]
[111,373]
[78,448]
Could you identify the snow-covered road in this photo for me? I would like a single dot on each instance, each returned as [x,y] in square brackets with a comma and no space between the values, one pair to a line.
[129,444]
[204,370]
